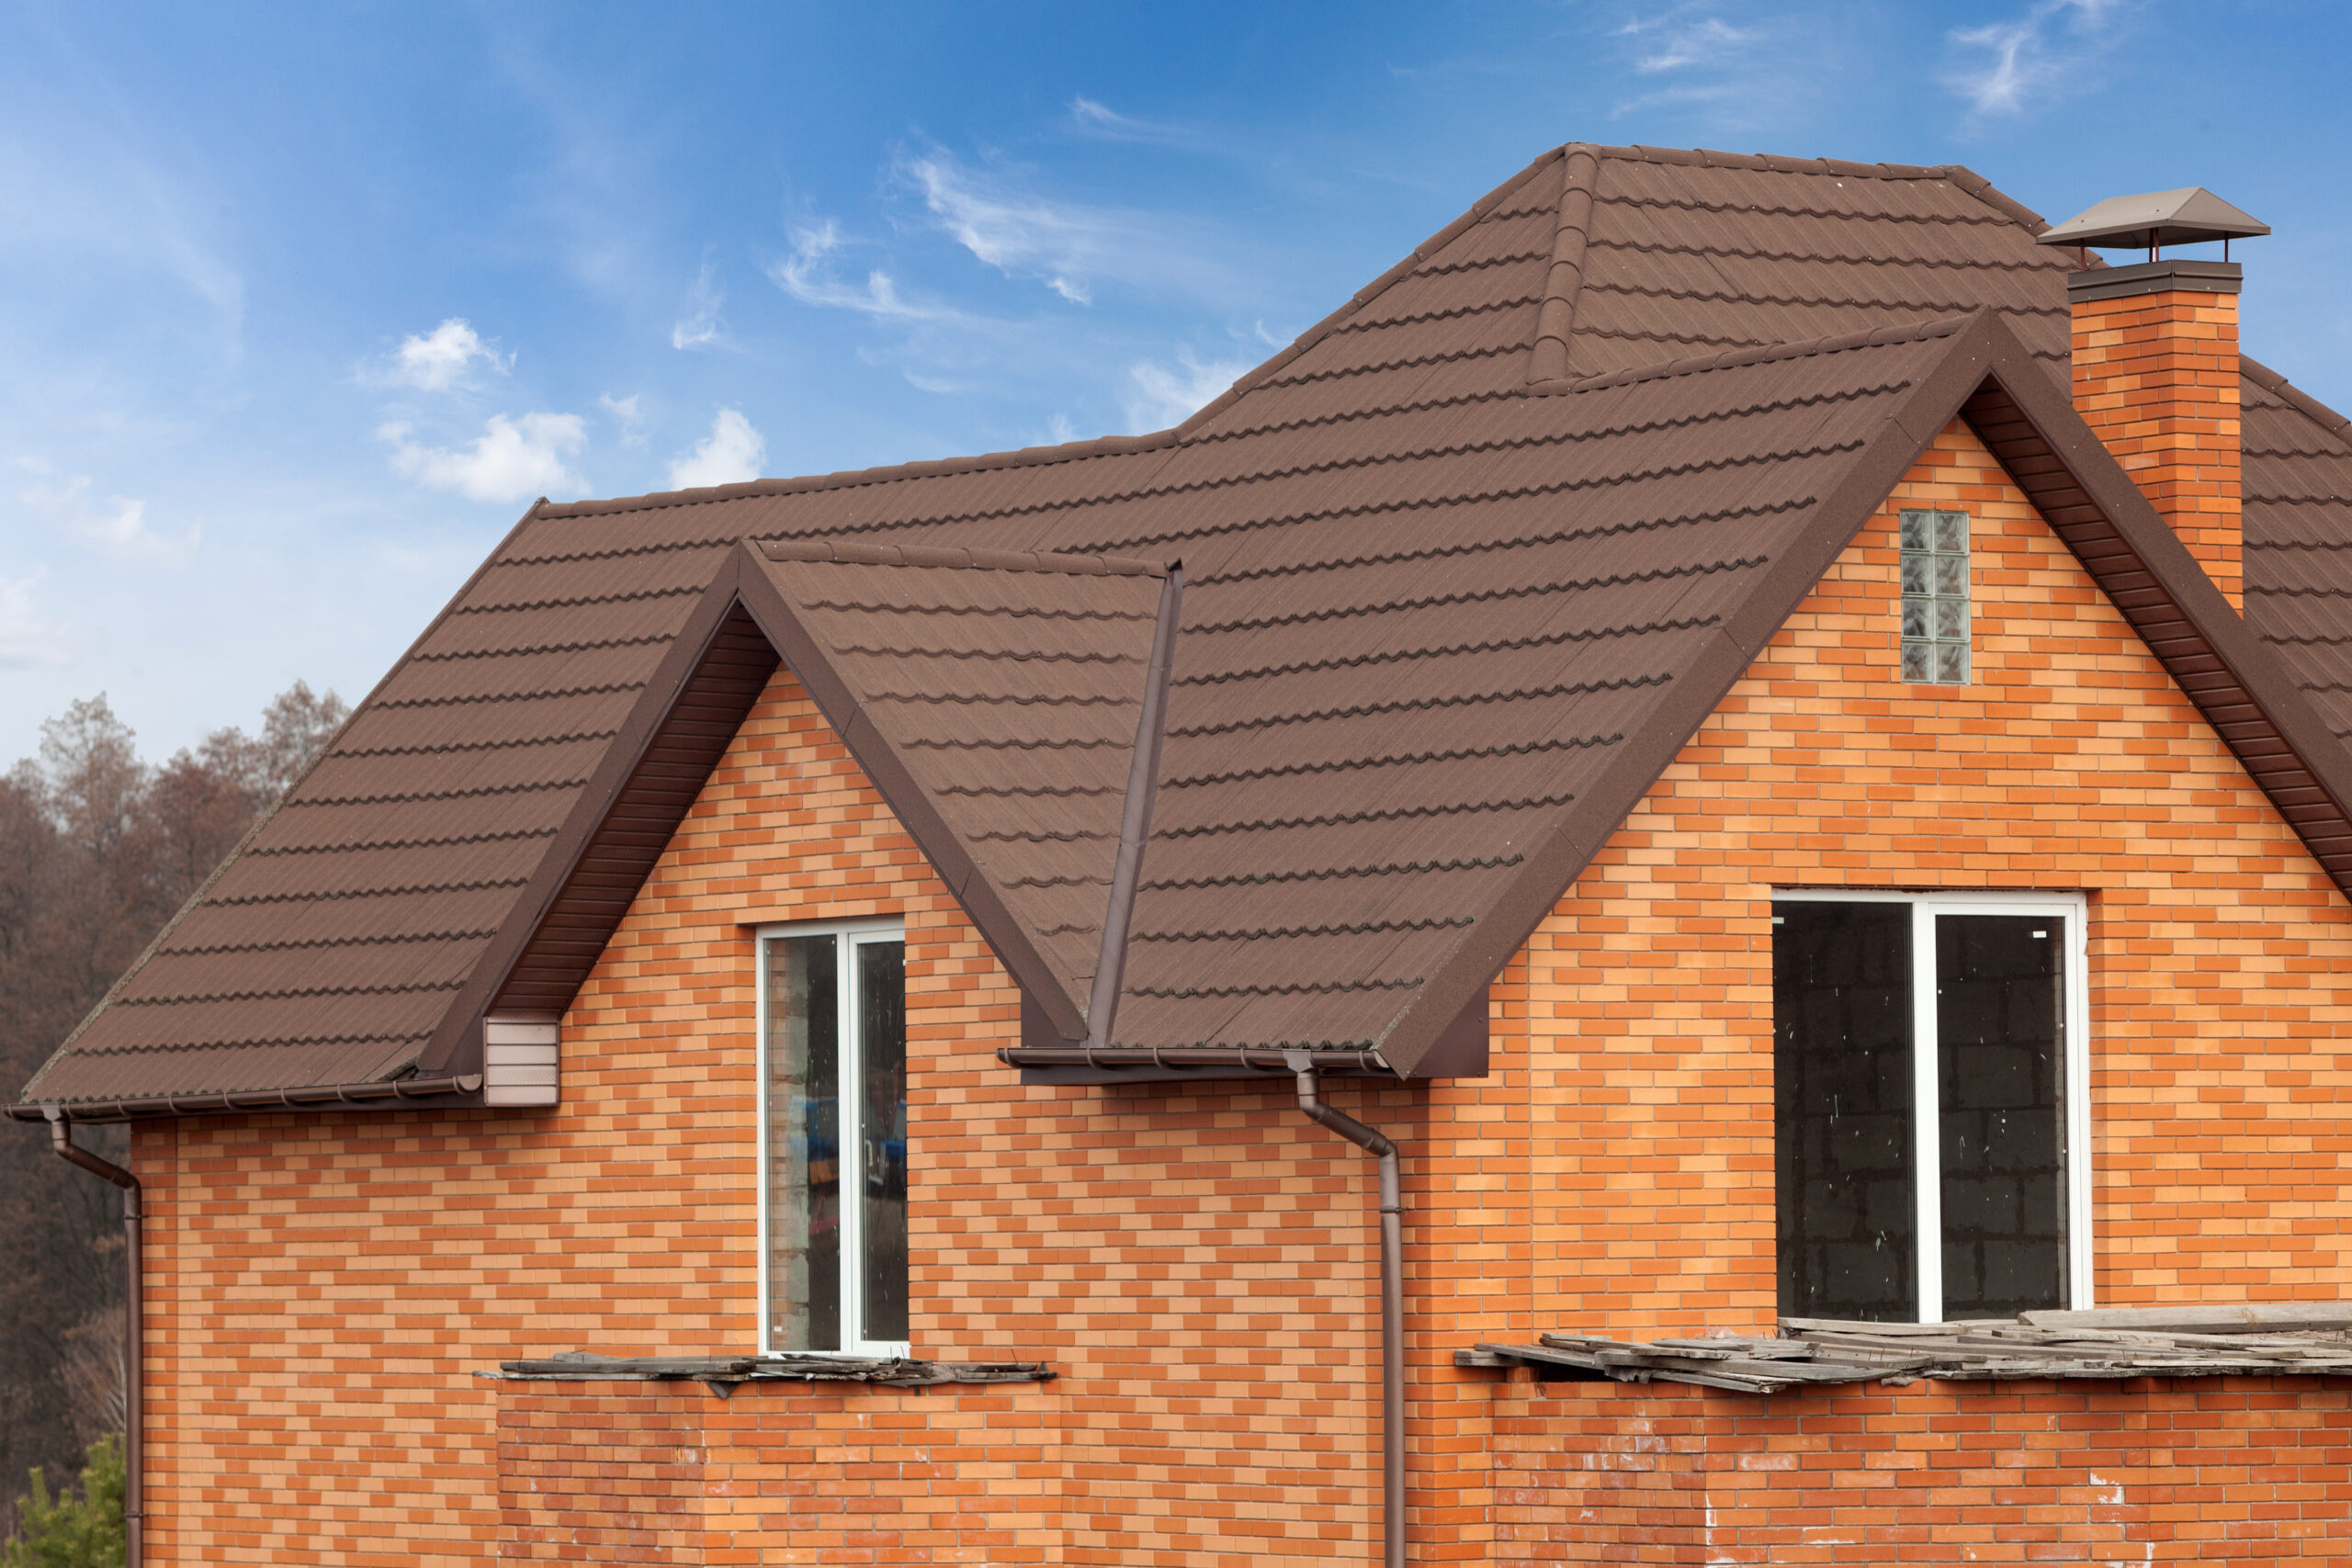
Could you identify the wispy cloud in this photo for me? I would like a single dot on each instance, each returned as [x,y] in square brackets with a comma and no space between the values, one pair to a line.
[117,524]
[1103,123]
[1069,246]
[28,637]
[1728,66]
[807,276]
[438,360]
[732,453]
[700,327]
[1160,395]
[2012,61]
[626,414]
[512,460]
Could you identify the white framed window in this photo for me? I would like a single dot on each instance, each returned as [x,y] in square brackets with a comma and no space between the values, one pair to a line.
[832,1069]
[1931,1110]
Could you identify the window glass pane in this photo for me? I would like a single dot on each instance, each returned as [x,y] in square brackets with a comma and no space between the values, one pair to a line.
[2000,1034]
[804,1147]
[1842,1087]
[1935,597]
[882,1042]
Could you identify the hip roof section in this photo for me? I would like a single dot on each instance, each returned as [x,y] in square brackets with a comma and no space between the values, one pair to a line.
[1454,561]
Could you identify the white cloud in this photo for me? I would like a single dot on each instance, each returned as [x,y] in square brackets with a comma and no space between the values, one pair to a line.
[1059,431]
[807,277]
[627,415]
[438,360]
[1709,41]
[119,525]
[700,326]
[1104,123]
[2018,58]
[730,453]
[1021,236]
[28,637]
[1160,396]
[513,459]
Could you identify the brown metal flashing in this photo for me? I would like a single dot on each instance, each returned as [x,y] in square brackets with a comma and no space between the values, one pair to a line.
[2170,275]
[1135,818]
[459,1091]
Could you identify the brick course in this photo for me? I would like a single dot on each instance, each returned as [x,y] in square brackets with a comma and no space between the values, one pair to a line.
[2156,375]
[1198,1262]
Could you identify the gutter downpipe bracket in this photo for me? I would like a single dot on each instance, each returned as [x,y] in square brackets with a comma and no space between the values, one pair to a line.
[134,1348]
[1392,1300]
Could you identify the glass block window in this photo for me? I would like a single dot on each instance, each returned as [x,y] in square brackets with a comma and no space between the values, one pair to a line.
[1935,597]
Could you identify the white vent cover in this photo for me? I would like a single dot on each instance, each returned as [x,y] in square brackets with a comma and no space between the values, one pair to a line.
[521,1058]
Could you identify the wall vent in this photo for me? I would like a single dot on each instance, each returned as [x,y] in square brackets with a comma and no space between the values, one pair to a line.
[522,1056]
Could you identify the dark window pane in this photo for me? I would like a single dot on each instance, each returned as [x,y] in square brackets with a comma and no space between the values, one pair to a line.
[2001,1032]
[1841,1089]
[882,1034]
[804,1148]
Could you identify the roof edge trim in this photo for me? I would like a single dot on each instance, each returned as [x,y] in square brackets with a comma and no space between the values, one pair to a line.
[802,653]
[456,1038]
[1552,867]
[2311,408]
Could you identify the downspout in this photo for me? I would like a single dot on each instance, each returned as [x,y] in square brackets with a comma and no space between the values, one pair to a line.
[1392,1303]
[61,1138]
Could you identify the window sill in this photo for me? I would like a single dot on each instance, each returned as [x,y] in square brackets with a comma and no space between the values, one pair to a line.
[721,1374]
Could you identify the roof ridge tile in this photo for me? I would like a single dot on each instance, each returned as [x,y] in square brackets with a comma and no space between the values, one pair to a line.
[1555,321]
[955,558]
[1732,359]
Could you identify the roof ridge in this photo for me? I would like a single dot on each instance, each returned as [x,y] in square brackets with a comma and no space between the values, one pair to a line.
[957,557]
[1874,337]
[1563,280]
[1073,451]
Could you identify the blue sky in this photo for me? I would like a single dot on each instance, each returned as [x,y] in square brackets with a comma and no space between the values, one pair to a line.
[299,306]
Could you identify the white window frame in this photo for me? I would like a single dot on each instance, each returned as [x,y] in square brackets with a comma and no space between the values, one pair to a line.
[850,1140]
[1926,1100]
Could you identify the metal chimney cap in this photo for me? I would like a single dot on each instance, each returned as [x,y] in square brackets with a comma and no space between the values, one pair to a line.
[2159,217]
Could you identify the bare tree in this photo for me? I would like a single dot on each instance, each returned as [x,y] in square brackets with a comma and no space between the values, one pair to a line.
[97,849]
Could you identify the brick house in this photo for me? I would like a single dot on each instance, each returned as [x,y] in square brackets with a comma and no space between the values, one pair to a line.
[1780,737]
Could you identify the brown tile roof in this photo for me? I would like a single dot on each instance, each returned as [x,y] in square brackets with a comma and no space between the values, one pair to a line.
[1464,565]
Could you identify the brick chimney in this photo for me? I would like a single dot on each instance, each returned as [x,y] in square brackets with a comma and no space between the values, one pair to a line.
[2155,362]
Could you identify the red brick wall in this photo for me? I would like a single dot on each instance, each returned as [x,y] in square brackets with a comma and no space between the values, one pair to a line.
[2227,1471]
[1199,1264]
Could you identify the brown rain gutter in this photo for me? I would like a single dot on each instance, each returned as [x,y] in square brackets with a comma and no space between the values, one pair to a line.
[396,1090]
[134,1411]
[1392,1303]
